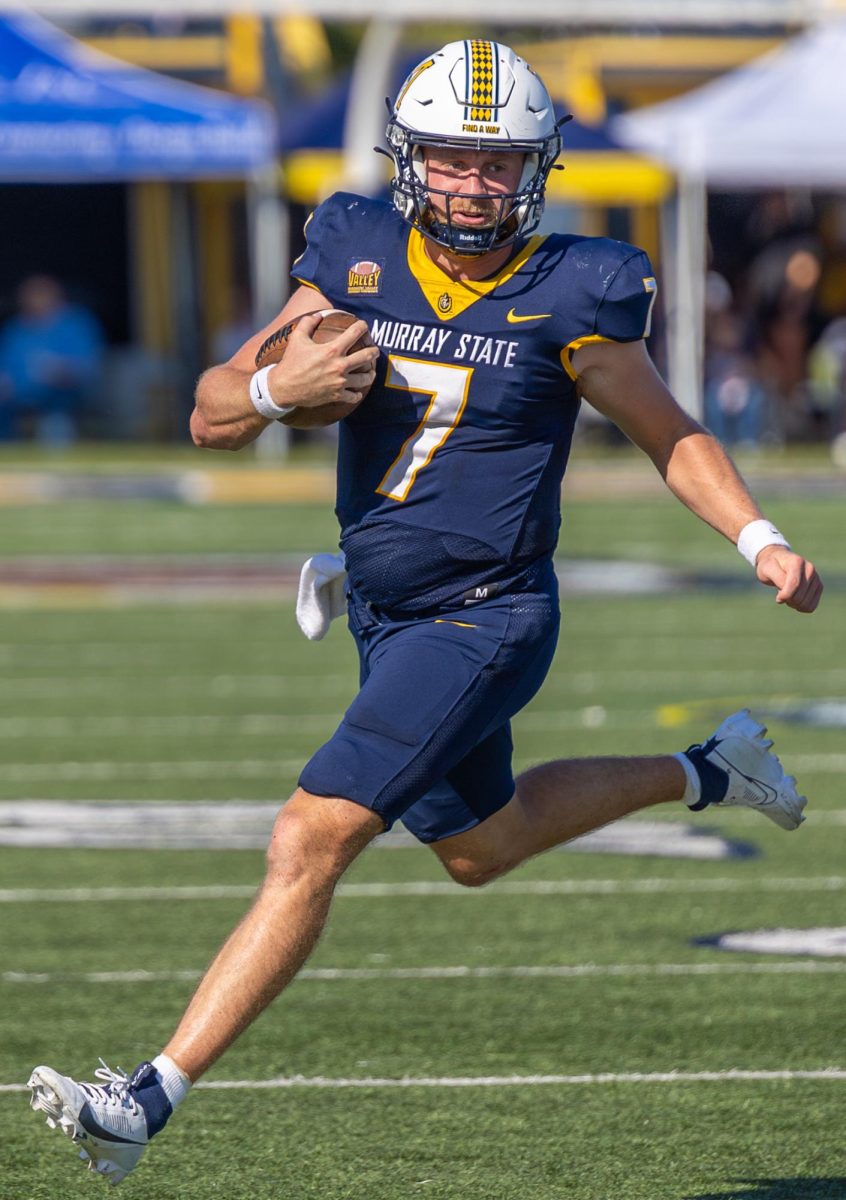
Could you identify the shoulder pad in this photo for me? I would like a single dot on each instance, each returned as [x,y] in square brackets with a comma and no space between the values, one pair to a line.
[625,294]
[328,231]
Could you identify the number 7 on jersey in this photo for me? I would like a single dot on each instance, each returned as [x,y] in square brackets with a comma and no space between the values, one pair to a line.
[448,387]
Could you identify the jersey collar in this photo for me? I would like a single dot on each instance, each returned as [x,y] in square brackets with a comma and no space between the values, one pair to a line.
[450,297]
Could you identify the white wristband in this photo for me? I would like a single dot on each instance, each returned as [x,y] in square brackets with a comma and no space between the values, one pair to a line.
[755,536]
[260,396]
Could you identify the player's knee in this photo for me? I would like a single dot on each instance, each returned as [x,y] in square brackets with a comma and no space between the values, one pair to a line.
[485,852]
[475,873]
[317,840]
[299,848]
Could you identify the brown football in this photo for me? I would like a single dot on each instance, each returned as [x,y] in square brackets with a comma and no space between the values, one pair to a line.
[272,350]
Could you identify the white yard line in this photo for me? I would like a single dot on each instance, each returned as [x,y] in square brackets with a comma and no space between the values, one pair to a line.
[762,680]
[816,816]
[65,660]
[108,769]
[824,763]
[538,887]
[828,1074]
[273,768]
[277,724]
[176,726]
[760,683]
[367,974]
[460,1081]
[223,825]
[240,823]
[48,687]
[250,724]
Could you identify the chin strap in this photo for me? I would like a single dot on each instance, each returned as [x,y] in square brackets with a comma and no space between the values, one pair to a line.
[467,244]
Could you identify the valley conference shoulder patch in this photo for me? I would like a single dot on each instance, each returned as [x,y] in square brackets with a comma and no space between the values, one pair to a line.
[364,277]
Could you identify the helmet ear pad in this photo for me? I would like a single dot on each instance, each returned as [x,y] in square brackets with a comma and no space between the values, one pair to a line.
[418,164]
[530,170]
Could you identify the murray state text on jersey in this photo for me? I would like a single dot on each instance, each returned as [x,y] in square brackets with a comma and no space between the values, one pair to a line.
[425,339]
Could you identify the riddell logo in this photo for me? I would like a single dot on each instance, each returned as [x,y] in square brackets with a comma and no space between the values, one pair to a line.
[364,279]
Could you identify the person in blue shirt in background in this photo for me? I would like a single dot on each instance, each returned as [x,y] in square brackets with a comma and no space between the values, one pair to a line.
[50,356]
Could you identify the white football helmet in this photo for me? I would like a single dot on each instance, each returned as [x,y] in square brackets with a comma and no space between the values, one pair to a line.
[478,95]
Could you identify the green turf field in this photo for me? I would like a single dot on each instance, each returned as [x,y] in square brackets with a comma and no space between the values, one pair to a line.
[513,1043]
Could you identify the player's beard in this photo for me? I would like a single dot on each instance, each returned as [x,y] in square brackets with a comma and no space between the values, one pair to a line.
[489,209]
[445,206]
[464,206]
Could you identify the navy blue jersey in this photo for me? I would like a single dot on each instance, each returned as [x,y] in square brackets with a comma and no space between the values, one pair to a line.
[449,472]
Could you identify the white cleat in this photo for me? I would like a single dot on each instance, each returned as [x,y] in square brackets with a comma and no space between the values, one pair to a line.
[736,767]
[104,1120]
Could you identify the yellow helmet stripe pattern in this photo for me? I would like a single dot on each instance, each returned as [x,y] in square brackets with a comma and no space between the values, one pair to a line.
[482,90]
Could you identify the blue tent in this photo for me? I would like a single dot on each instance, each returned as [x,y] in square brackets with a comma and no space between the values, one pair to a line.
[68,114]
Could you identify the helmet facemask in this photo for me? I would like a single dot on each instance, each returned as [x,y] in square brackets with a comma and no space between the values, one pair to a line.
[517,212]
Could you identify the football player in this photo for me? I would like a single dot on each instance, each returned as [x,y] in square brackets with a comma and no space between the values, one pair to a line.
[486,336]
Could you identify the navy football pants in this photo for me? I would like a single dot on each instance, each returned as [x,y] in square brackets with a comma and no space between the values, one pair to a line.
[428,737]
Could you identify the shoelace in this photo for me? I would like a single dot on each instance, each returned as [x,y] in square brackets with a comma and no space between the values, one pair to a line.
[114,1091]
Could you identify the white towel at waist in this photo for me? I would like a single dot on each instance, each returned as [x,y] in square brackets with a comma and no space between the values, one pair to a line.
[322,594]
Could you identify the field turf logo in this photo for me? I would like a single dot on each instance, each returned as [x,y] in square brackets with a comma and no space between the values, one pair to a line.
[818,942]
[233,825]
[364,278]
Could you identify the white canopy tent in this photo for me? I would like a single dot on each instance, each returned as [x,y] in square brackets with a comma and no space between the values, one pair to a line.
[779,121]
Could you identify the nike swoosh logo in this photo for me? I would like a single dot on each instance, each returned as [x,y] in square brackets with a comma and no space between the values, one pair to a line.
[92,1126]
[512,318]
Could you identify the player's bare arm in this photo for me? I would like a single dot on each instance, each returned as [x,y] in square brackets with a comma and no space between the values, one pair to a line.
[224,417]
[621,382]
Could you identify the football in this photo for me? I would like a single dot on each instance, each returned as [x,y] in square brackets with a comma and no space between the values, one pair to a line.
[272,350]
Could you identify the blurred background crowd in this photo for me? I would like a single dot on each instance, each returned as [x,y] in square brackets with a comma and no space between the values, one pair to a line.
[775,353]
[119,284]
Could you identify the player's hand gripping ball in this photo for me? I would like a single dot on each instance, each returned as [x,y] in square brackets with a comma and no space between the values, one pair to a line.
[333,323]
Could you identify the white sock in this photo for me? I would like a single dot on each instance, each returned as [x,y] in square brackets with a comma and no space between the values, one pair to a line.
[693,787]
[175,1083]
